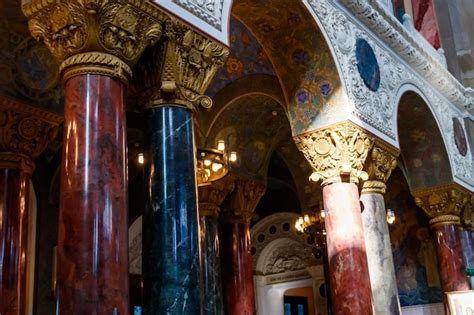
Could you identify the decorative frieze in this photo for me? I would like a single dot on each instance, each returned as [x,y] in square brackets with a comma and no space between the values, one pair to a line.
[336,152]
[24,133]
[100,37]
[443,204]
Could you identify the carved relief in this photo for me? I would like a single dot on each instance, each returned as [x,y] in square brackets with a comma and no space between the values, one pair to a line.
[335,152]
[245,197]
[24,133]
[443,204]
[288,258]
[379,165]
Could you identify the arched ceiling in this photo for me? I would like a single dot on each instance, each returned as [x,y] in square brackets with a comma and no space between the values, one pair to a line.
[422,148]
[28,72]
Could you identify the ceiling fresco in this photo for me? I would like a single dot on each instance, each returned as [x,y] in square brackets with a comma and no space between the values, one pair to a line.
[247,57]
[301,59]
[28,72]
[421,144]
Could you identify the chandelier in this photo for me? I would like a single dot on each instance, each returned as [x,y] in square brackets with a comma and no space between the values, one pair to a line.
[213,164]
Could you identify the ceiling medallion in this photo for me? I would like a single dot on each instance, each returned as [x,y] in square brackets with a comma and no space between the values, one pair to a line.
[367,65]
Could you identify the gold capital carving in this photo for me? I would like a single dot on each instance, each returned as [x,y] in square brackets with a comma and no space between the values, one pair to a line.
[24,133]
[108,35]
[380,162]
[183,67]
[467,215]
[212,196]
[443,204]
[336,153]
[244,198]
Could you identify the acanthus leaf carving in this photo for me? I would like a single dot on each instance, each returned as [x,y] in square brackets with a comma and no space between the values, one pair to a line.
[244,199]
[379,165]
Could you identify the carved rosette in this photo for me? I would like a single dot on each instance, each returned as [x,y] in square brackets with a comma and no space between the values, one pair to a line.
[188,63]
[443,204]
[244,199]
[380,163]
[336,153]
[212,196]
[99,37]
[24,133]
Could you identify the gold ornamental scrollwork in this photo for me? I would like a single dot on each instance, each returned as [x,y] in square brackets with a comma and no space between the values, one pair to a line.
[211,196]
[24,133]
[443,204]
[187,62]
[380,162]
[244,199]
[336,153]
[113,32]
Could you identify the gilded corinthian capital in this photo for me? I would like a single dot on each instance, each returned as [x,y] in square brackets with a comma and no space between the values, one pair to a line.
[179,70]
[212,196]
[24,133]
[443,204]
[244,198]
[380,163]
[336,152]
[91,36]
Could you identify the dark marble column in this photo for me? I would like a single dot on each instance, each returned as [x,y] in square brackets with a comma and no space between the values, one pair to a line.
[210,198]
[350,283]
[171,264]
[92,242]
[450,259]
[239,296]
[467,241]
[14,195]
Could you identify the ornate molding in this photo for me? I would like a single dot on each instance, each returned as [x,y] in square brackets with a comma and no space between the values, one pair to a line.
[244,198]
[102,29]
[24,133]
[336,152]
[185,64]
[379,165]
[443,203]
[212,196]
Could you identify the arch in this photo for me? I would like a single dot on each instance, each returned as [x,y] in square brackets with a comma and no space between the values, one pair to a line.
[424,153]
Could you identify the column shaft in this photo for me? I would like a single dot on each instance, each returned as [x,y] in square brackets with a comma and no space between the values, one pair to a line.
[211,271]
[92,242]
[238,271]
[170,230]
[450,260]
[467,241]
[14,194]
[379,255]
[350,284]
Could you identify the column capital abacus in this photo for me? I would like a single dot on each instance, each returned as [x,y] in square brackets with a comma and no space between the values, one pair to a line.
[336,153]
[244,199]
[179,70]
[95,37]
[443,204]
[212,196]
[380,162]
[24,133]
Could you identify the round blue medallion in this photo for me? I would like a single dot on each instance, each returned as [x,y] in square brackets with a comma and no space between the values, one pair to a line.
[367,65]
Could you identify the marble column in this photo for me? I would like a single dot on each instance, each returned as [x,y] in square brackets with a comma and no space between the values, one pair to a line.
[239,296]
[467,241]
[210,198]
[379,166]
[171,261]
[337,155]
[24,133]
[96,60]
[444,204]
[173,77]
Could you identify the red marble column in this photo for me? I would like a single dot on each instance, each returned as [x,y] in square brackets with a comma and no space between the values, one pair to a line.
[92,242]
[450,260]
[349,274]
[14,196]
[237,269]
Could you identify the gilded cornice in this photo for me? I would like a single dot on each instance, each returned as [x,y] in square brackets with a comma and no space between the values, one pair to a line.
[212,196]
[24,133]
[187,65]
[90,36]
[244,198]
[380,163]
[336,153]
[443,203]
[396,36]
